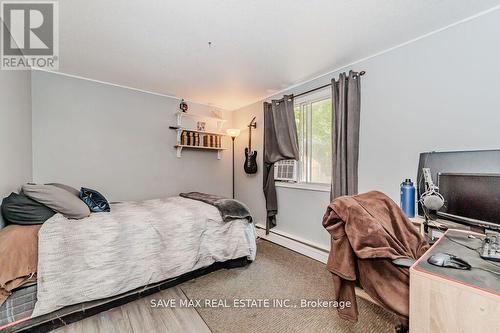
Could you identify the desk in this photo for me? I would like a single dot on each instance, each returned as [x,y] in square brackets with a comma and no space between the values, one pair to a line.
[445,300]
[436,227]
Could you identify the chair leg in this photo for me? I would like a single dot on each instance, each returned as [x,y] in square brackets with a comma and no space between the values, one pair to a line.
[401,329]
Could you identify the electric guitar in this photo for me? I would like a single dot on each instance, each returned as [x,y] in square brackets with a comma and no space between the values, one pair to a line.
[250,156]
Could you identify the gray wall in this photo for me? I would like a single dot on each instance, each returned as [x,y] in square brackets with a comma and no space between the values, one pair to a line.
[437,93]
[15,131]
[117,141]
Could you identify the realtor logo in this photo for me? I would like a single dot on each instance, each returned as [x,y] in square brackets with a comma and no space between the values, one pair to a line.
[29,35]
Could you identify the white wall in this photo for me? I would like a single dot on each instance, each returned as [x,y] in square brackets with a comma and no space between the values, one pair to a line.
[441,92]
[15,131]
[117,141]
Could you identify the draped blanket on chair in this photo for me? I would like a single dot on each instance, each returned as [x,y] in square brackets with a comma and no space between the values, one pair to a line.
[367,232]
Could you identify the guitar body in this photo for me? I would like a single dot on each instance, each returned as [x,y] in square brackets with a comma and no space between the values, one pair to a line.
[250,162]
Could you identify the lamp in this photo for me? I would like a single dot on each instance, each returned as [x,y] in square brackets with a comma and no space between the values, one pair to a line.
[233,133]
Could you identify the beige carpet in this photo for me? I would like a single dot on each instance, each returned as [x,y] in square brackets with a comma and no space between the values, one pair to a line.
[279,273]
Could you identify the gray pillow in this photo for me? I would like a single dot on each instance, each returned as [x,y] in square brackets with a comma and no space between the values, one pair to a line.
[19,209]
[68,188]
[58,199]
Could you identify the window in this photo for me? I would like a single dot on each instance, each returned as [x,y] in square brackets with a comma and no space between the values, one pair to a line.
[313,115]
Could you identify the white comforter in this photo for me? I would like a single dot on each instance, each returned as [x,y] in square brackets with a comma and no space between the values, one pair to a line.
[137,243]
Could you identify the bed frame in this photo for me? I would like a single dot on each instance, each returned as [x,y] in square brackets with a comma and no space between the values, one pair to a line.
[78,312]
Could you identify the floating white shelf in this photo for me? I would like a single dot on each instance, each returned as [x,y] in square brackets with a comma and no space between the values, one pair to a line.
[220,123]
[180,147]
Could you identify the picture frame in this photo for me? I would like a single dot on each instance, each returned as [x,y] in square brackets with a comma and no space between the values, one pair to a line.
[201,126]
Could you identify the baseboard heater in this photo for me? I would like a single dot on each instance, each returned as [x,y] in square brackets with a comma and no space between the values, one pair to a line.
[300,246]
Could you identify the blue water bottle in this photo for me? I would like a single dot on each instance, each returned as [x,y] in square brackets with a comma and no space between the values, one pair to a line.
[408,198]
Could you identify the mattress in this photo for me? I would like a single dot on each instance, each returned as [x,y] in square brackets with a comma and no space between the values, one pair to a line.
[18,318]
[19,305]
[136,244]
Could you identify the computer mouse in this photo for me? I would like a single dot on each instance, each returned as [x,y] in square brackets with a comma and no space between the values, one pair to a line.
[449,261]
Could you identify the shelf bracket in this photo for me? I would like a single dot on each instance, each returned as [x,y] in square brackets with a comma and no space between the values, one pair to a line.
[179,119]
[179,134]
[219,153]
[179,152]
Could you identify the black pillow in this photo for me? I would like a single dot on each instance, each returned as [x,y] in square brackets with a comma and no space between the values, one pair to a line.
[19,209]
[95,200]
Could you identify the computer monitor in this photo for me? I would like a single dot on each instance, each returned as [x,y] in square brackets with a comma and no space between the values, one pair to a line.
[484,162]
[471,198]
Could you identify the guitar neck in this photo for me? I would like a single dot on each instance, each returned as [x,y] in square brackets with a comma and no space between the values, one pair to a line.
[250,138]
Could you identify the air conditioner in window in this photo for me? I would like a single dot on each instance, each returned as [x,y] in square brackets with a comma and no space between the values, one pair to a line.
[286,170]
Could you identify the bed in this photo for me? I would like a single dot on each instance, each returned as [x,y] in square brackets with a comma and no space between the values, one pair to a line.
[86,266]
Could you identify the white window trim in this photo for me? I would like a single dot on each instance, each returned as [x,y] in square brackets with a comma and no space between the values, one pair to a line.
[318,187]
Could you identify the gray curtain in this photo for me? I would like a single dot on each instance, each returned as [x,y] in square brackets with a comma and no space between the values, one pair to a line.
[345,134]
[280,143]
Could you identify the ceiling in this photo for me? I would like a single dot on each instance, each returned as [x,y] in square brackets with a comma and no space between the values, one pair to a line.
[258,46]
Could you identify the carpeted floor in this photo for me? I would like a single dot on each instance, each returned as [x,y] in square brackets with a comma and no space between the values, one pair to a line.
[279,273]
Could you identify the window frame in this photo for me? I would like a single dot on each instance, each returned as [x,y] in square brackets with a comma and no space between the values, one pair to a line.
[305,103]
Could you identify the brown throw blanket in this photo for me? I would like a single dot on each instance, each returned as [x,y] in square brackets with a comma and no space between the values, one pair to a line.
[367,232]
[18,257]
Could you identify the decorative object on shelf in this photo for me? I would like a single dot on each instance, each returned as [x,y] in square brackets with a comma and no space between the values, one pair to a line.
[196,139]
[183,106]
[250,165]
[233,133]
[201,125]
[184,138]
[190,138]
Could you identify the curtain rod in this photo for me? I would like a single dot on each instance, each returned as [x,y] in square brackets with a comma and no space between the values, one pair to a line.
[324,86]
